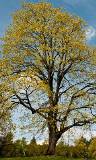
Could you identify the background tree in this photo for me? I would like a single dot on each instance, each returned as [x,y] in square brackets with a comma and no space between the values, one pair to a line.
[92,148]
[20,147]
[81,148]
[32,148]
[62,149]
[6,146]
[48,68]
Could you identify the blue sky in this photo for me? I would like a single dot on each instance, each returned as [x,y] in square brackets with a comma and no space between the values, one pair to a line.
[83,8]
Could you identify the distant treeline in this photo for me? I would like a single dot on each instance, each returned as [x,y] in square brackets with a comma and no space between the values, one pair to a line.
[20,148]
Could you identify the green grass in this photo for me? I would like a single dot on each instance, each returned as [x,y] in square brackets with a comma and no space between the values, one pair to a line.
[39,158]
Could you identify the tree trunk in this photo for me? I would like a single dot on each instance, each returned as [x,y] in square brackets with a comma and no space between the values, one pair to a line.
[53,134]
[52,145]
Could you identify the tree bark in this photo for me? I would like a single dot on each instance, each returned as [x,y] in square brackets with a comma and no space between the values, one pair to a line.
[52,144]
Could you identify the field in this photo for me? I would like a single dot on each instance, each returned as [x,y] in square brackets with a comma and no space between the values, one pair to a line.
[39,158]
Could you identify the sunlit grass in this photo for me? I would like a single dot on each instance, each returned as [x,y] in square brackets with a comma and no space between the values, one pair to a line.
[40,158]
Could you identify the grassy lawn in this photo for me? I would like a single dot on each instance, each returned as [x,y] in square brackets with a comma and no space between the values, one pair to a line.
[39,158]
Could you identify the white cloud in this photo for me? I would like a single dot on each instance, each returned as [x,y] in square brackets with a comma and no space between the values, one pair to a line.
[90,33]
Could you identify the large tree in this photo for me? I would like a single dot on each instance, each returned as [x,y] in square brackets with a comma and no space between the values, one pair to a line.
[48,68]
